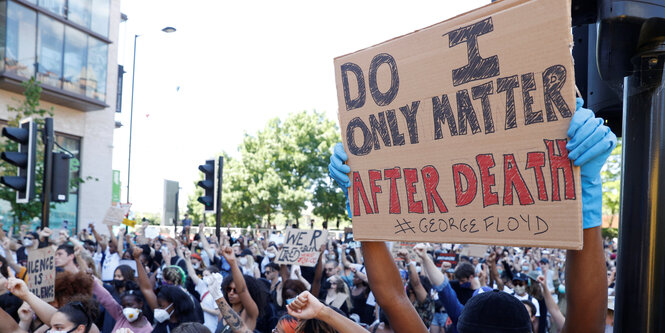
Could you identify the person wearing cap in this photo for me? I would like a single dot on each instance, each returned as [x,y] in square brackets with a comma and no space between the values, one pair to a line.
[590,145]
[520,281]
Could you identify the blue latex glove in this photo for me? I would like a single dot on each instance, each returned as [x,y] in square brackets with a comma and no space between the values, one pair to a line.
[590,144]
[338,170]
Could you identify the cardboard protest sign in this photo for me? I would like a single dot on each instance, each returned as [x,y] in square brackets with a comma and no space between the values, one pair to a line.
[301,247]
[116,214]
[41,273]
[457,132]
[472,250]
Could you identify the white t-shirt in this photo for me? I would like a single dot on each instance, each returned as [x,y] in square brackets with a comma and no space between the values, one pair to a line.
[209,320]
[109,265]
[533,300]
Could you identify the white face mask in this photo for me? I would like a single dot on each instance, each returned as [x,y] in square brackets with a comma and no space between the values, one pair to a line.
[243,261]
[27,242]
[520,290]
[63,331]
[131,314]
[161,315]
[196,266]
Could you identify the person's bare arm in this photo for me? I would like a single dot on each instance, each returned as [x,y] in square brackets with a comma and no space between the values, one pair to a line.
[144,282]
[386,285]
[587,297]
[494,272]
[248,303]
[43,310]
[318,272]
[190,269]
[552,307]
[306,306]
[100,240]
[119,241]
[414,279]
[8,324]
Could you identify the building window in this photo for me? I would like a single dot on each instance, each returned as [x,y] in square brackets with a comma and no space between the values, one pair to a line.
[97,66]
[20,42]
[101,11]
[68,211]
[49,51]
[78,11]
[59,54]
[54,6]
[76,55]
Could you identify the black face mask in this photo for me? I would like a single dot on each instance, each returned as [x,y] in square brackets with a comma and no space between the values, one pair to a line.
[118,283]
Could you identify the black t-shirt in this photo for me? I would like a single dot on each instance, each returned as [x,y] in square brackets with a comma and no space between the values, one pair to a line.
[463,293]
[10,304]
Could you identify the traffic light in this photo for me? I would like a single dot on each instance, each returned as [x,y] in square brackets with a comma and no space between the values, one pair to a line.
[208,185]
[60,180]
[24,159]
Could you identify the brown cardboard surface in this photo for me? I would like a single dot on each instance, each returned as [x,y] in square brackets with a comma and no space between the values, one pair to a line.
[457,132]
[301,247]
[41,273]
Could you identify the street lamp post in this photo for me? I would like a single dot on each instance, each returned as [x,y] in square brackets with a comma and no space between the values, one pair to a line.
[131,110]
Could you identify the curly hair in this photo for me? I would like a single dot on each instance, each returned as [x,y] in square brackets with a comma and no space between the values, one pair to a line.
[69,285]
[174,274]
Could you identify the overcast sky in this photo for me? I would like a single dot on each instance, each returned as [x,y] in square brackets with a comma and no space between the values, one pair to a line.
[231,66]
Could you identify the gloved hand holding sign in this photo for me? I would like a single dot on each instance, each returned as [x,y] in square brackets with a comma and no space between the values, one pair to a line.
[590,144]
[338,170]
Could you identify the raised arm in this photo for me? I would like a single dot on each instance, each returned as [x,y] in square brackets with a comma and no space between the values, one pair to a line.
[387,288]
[204,242]
[100,240]
[119,241]
[414,279]
[241,288]
[230,317]
[552,307]
[144,281]
[318,272]
[43,310]
[306,306]
[190,269]
[590,145]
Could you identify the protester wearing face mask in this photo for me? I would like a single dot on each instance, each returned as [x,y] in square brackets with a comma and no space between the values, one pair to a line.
[464,274]
[73,317]
[208,306]
[519,282]
[128,314]
[247,264]
[171,306]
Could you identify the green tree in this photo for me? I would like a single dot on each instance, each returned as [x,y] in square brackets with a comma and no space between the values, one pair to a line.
[611,178]
[28,107]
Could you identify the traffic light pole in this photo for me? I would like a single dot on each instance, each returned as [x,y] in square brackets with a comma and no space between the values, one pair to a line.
[218,211]
[640,291]
[47,138]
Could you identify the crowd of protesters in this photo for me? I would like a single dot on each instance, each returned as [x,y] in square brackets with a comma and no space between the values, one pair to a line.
[118,281]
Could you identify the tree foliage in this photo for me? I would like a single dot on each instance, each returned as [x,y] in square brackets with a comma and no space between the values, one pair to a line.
[28,107]
[282,169]
[611,178]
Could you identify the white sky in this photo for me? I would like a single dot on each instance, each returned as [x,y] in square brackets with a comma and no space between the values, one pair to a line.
[237,64]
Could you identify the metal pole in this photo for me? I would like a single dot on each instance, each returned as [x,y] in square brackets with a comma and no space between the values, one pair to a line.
[176,219]
[131,120]
[218,210]
[47,138]
[640,291]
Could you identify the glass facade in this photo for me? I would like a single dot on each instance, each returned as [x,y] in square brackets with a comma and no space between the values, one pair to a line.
[76,57]
[20,41]
[50,41]
[64,56]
